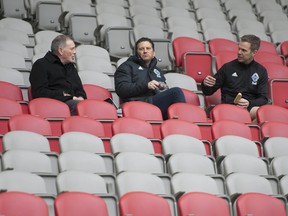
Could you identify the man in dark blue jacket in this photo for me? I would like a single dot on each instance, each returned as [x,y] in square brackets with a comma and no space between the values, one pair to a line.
[139,79]
[242,75]
[55,75]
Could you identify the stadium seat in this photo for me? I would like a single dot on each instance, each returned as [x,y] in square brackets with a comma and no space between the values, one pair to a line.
[143,203]
[219,44]
[259,203]
[87,125]
[14,203]
[275,147]
[138,127]
[96,92]
[197,202]
[179,143]
[270,112]
[85,161]
[81,141]
[278,165]
[129,142]
[54,111]
[273,129]
[99,110]
[80,203]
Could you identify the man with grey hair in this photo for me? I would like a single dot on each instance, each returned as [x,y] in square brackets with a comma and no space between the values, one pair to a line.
[242,75]
[55,75]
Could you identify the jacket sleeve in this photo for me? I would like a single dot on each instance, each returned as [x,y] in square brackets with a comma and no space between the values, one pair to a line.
[39,83]
[219,76]
[124,85]
[78,87]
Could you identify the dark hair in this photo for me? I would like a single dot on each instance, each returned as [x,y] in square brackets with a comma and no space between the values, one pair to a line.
[142,40]
[59,42]
[253,40]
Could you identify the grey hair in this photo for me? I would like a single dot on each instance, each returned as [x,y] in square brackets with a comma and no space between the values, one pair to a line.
[59,42]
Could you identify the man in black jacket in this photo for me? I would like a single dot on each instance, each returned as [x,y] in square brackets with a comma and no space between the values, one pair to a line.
[55,75]
[242,75]
[139,79]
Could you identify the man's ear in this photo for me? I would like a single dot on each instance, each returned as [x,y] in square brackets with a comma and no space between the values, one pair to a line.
[60,51]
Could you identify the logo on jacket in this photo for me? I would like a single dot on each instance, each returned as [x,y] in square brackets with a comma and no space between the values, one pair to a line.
[235,74]
[140,68]
[157,72]
[255,78]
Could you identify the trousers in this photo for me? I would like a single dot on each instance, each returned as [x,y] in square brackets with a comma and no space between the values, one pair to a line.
[164,99]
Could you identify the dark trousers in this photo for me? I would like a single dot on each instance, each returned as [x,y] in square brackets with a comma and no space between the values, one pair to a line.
[164,99]
[72,105]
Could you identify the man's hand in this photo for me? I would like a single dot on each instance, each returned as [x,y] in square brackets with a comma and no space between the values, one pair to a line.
[153,84]
[78,98]
[243,103]
[209,81]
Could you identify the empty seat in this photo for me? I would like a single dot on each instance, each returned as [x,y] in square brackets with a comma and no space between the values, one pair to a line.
[17,203]
[178,143]
[85,161]
[244,183]
[138,127]
[274,129]
[229,144]
[259,203]
[139,162]
[80,203]
[197,202]
[143,203]
[81,141]
[191,182]
[276,147]
[128,142]
[191,163]
[272,113]
[278,165]
[219,44]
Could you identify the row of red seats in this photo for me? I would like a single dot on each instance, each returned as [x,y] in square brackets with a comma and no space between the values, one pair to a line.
[141,203]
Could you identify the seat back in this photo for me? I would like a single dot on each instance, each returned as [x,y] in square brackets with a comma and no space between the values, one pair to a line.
[134,109]
[197,202]
[31,123]
[244,183]
[230,112]
[179,143]
[187,112]
[48,108]
[129,142]
[15,203]
[143,203]
[274,129]
[181,45]
[79,203]
[96,92]
[272,113]
[82,141]
[228,127]
[175,126]
[259,203]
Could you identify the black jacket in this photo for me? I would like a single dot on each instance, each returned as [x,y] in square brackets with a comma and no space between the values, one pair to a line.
[132,77]
[50,78]
[233,77]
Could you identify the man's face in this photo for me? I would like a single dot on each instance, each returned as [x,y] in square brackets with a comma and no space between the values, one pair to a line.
[145,51]
[245,55]
[68,52]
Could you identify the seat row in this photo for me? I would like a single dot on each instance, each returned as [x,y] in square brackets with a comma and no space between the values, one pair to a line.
[180,153]
[141,203]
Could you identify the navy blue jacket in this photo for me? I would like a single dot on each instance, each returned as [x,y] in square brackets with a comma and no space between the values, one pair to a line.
[132,77]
